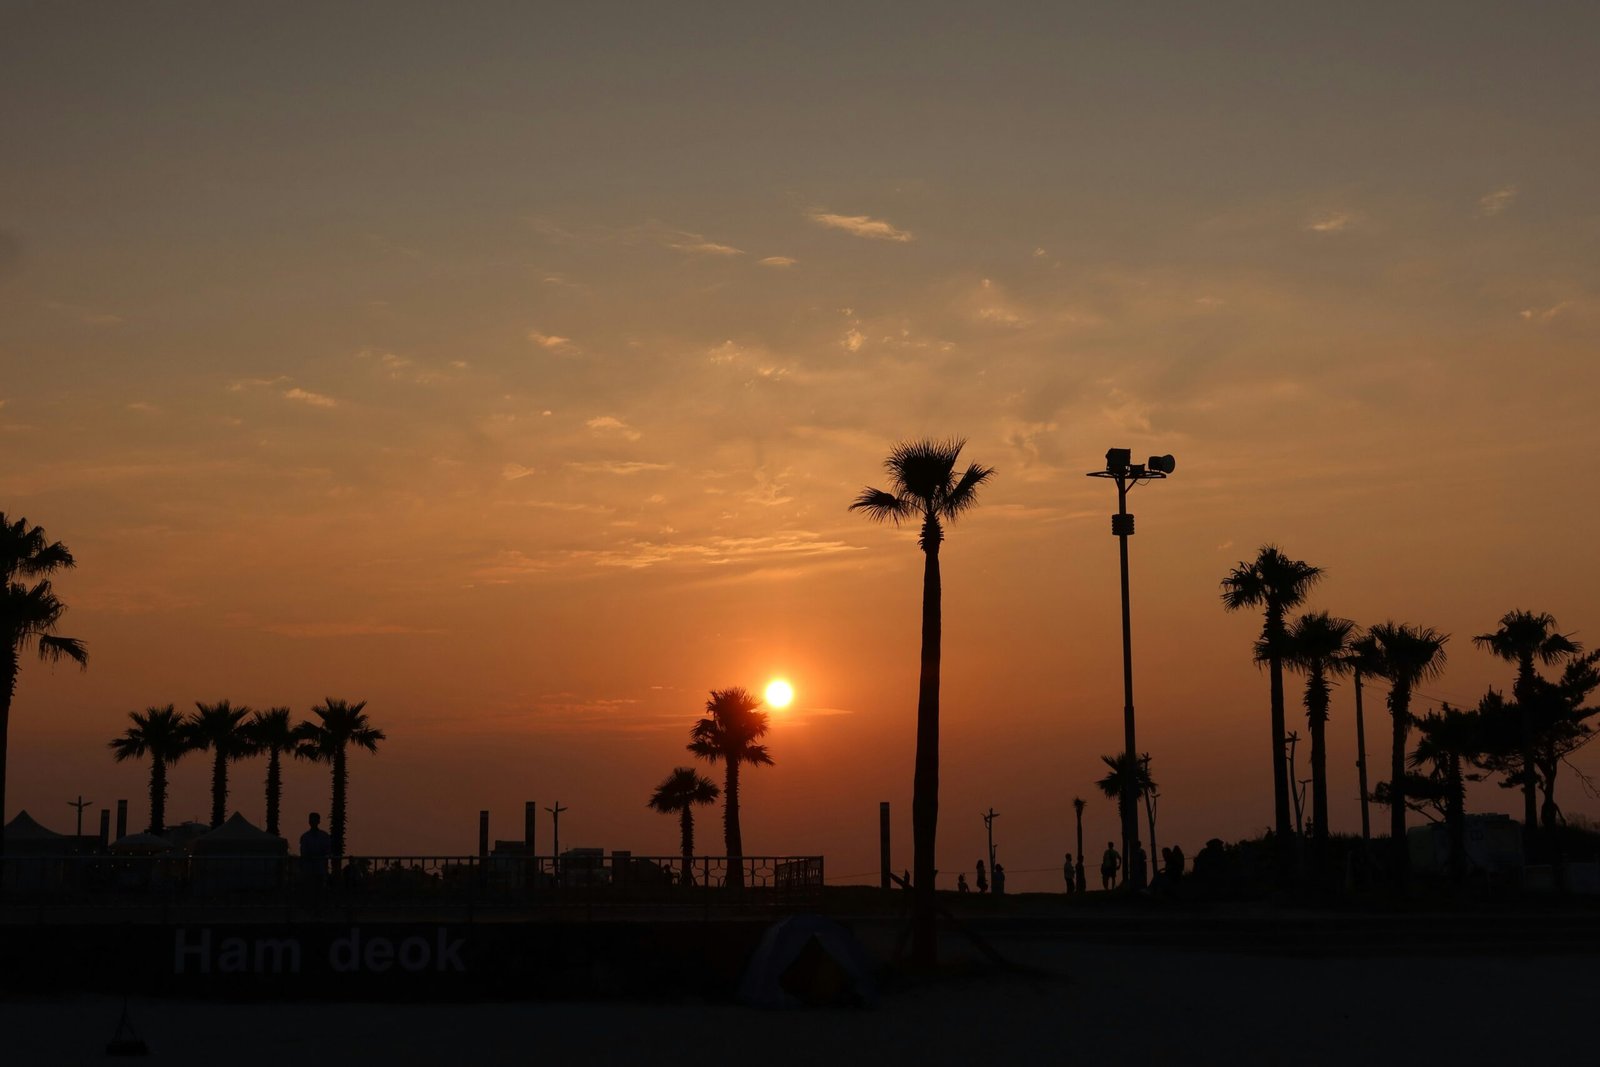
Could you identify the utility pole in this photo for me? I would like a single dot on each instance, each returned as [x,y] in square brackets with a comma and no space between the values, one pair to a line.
[988,824]
[80,804]
[555,822]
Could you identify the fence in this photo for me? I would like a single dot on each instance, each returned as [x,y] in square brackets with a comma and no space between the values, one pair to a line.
[580,877]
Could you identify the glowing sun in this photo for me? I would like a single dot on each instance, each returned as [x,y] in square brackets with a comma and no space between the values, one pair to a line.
[780,694]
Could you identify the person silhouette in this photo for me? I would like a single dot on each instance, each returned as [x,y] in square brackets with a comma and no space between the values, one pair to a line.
[1140,866]
[1069,874]
[1110,864]
[315,845]
[999,879]
[983,879]
[961,884]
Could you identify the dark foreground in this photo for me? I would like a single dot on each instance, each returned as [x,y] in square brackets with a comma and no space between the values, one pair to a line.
[1084,1000]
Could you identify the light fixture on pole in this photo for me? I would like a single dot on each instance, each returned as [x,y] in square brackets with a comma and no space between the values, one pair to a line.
[1121,469]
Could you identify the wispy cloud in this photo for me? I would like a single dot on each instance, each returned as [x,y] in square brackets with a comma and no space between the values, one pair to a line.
[861,226]
[611,466]
[512,471]
[1493,203]
[241,385]
[551,342]
[1331,222]
[1542,315]
[611,426]
[778,261]
[696,245]
[306,396]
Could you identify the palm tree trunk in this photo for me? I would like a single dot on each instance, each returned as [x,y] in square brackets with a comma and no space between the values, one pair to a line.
[1280,773]
[339,784]
[158,795]
[219,788]
[1523,691]
[925,782]
[731,837]
[1400,709]
[1361,764]
[8,689]
[1319,791]
[686,826]
[274,789]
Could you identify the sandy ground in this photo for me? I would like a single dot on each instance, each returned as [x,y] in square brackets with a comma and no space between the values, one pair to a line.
[1118,1005]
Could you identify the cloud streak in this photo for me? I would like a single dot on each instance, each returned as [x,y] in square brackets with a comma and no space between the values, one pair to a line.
[861,226]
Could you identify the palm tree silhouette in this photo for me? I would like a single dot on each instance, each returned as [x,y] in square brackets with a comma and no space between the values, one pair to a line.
[338,727]
[679,792]
[1078,804]
[1449,738]
[925,486]
[222,730]
[1316,644]
[1523,637]
[1115,785]
[729,732]
[1362,660]
[29,611]
[163,735]
[273,732]
[1407,656]
[1275,583]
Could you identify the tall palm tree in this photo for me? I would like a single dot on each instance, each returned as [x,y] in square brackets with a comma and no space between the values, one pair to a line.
[163,735]
[1523,637]
[679,792]
[1362,660]
[1316,645]
[1116,785]
[730,733]
[222,730]
[273,732]
[29,611]
[338,727]
[1408,656]
[1450,738]
[1078,804]
[1276,584]
[925,487]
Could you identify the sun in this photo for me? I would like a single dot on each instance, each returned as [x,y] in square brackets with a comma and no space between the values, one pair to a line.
[780,694]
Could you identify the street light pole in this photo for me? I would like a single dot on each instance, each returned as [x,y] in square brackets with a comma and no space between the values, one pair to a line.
[1127,474]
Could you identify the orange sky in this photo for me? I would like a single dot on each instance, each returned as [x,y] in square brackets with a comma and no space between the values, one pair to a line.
[513,372]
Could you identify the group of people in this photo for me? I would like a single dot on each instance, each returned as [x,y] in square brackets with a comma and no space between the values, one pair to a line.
[982,880]
[1111,867]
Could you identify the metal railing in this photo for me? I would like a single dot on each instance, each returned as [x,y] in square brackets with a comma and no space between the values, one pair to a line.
[585,878]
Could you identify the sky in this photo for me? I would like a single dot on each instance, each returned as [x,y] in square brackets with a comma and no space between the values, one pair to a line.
[511,367]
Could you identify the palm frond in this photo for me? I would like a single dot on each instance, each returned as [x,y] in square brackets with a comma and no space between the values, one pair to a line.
[880,506]
[53,649]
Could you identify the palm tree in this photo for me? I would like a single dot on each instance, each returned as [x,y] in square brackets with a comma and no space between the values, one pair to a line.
[1449,738]
[163,735]
[273,732]
[1362,660]
[679,792]
[730,731]
[1523,637]
[1275,583]
[339,726]
[1078,804]
[1126,786]
[222,730]
[29,612]
[1408,656]
[925,487]
[1316,644]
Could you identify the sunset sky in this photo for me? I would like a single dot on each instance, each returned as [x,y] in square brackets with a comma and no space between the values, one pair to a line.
[511,366]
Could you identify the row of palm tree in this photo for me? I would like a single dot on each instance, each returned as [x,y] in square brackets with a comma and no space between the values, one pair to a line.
[730,733]
[233,732]
[1523,740]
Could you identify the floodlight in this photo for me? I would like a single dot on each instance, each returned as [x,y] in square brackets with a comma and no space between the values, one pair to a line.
[1163,464]
[1117,458]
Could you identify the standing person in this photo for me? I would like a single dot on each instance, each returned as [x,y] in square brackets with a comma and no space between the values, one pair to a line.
[1069,874]
[983,879]
[1140,866]
[999,879]
[315,846]
[1110,864]
[961,884]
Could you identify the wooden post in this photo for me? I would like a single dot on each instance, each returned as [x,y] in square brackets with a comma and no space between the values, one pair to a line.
[105,828]
[483,848]
[530,819]
[883,843]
